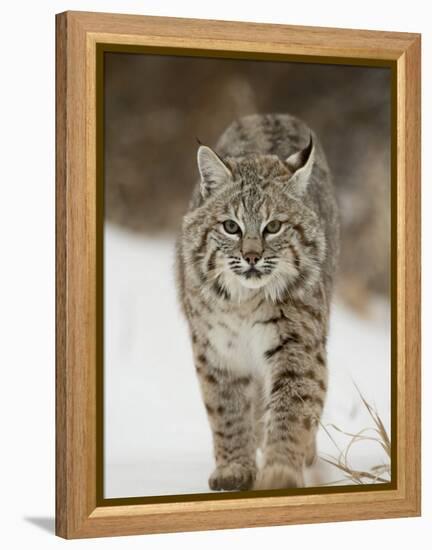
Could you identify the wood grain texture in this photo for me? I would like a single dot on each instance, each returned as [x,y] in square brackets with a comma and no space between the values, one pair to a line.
[77,513]
[254,37]
[61,254]
[412,263]
[76,285]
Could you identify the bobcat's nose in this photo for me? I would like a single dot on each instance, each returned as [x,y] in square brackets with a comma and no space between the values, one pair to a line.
[252,258]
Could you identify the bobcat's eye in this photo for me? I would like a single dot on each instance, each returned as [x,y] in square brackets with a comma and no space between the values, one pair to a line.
[231,227]
[273,226]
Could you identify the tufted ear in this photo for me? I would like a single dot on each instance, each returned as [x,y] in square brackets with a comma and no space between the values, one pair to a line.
[300,164]
[213,170]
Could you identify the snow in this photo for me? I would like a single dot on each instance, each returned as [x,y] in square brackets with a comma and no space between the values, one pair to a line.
[157,439]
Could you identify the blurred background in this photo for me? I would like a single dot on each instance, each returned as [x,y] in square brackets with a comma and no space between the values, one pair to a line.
[156,436]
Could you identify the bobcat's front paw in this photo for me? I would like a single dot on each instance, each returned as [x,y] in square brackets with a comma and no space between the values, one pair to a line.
[232,477]
[278,476]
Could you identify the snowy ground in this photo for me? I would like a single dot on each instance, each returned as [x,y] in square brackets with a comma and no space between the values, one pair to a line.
[157,440]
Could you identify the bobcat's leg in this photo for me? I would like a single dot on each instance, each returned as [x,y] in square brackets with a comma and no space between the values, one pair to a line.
[228,400]
[295,399]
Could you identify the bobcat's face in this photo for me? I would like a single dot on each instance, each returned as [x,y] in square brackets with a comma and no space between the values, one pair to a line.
[263,238]
[257,231]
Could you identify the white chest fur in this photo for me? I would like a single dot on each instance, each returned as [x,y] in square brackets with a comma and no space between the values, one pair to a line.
[239,344]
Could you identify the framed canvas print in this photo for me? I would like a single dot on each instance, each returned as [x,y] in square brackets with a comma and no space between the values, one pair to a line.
[238,274]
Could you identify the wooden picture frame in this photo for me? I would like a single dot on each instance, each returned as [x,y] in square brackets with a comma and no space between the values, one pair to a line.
[80,511]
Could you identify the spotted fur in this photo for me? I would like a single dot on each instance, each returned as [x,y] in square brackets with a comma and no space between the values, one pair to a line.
[257,303]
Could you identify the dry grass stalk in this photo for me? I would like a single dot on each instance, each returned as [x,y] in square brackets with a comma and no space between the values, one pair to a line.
[377,474]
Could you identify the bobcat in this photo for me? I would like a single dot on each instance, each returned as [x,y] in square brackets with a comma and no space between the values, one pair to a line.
[256,262]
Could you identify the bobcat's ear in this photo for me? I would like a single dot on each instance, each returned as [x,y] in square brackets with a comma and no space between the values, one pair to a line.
[213,170]
[300,164]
